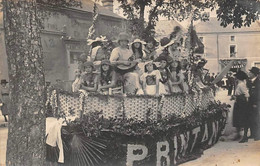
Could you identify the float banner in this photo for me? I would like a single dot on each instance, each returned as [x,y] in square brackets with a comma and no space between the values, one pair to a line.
[168,147]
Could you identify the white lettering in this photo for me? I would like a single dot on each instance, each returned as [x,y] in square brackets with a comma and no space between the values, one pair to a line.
[175,144]
[184,143]
[163,151]
[206,134]
[195,131]
[131,157]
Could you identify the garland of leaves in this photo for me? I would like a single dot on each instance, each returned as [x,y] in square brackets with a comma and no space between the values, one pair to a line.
[91,31]
[93,123]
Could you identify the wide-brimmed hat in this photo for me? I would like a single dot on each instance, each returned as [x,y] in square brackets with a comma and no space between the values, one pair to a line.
[241,75]
[4,81]
[98,39]
[106,62]
[164,56]
[255,70]
[123,36]
[153,40]
[148,62]
[88,63]
[138,41]
[165,42]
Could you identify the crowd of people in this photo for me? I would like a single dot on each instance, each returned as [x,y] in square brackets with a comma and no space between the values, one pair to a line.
[247,101]
[139,67]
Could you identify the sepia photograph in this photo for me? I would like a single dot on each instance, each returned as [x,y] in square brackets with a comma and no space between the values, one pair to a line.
[129,83]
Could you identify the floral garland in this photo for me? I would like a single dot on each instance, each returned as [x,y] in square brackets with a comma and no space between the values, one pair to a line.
[91,31]
[93,123]
[82,97]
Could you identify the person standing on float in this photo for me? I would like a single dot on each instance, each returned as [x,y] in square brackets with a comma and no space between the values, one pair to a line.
[254,102]
[4,98]
[123,56]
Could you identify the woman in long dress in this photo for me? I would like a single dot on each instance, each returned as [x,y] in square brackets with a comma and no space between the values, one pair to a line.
[4,98]
[240,112]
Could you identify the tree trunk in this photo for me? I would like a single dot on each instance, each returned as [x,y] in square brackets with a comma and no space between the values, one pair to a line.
[25,145]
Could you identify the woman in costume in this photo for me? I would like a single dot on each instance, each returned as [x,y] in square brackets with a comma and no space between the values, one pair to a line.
[89,79]
[165,72]
[108,78]
[151,80]
[125,65]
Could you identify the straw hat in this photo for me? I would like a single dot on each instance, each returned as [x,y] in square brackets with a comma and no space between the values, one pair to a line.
[106,62]
[88,63]
[138,41]
[100,39]
[123,36]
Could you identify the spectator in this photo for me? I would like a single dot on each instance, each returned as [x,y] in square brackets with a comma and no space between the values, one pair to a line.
[254,101]
[4,98]
[240,112]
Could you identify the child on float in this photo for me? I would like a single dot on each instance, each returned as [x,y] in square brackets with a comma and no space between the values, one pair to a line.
[164,71]
[137,50]
[150,48]
[184,74]
[100,50]
[108,77]
[89,79]
[176,77]
[151,80]
[77,81]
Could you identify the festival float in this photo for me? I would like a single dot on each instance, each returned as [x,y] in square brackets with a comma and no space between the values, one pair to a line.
[110,130]
[87,129]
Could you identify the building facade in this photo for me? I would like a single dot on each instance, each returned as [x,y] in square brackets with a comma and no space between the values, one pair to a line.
[224,44]
[64,38]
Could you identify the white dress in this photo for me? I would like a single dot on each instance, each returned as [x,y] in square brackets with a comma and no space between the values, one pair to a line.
[150,80]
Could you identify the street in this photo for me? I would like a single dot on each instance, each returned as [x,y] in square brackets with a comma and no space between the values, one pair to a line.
[225,153]
[228,152]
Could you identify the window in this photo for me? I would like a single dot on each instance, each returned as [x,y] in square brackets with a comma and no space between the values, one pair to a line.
[201,39]
[74,56]
[232,38]
[232,51]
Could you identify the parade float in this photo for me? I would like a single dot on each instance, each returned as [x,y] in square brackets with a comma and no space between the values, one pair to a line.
[133,130]
[127,129]
[91,129]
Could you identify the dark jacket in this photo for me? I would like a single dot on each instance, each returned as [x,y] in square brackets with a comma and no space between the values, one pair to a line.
[254,92]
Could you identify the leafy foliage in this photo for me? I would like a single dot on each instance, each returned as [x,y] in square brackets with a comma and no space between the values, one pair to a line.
[93,123]
[60,3]
[173,9]
[238,12]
